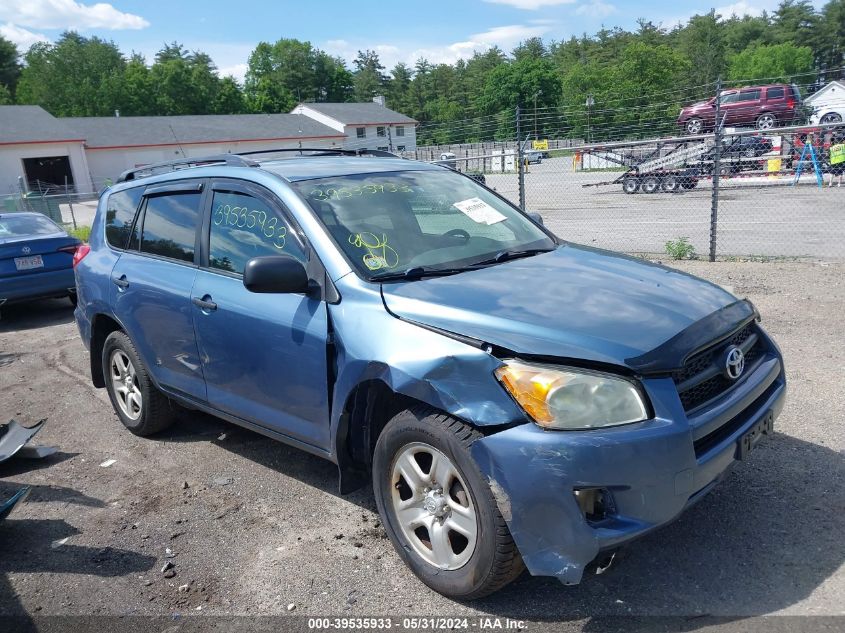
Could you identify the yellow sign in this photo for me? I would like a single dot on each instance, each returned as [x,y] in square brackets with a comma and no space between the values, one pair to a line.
[543,145]
[837,154]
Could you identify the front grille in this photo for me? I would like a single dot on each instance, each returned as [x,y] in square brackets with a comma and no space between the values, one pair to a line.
[700,379]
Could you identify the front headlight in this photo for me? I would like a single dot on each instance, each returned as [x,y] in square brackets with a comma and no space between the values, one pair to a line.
[571,399]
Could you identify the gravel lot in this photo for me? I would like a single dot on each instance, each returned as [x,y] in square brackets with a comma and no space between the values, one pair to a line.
[255,527]
[757,216]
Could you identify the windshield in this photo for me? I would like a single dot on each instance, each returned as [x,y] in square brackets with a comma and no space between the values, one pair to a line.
[398,221]
[12,226]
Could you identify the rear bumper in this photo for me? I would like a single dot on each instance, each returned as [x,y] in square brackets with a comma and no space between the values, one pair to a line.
[650,471]
[42,285]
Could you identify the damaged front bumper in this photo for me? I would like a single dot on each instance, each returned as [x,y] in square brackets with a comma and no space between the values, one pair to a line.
[630,479]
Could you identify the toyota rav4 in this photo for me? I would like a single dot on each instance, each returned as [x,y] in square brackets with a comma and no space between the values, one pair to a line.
[516,400]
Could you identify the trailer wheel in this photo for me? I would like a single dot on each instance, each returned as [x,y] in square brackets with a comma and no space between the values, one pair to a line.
[650,184]
[670,183]
[630,184]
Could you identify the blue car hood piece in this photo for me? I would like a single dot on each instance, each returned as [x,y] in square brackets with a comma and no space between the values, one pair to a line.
[575,302]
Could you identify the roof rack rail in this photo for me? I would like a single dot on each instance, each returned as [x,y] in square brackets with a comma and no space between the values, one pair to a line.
[324,151]
[173,165]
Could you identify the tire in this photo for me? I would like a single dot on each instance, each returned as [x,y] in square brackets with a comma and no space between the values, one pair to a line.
[143,409]
[831,117]
[694,126]
[630,184]
[766,121]
[670,183]
[650,184]
[437,442]
[724,170]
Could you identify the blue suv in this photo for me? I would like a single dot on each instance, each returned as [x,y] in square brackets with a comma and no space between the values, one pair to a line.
[516,400]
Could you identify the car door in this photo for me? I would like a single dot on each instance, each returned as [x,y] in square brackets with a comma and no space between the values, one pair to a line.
[746,108]
[152,281]
[263,355]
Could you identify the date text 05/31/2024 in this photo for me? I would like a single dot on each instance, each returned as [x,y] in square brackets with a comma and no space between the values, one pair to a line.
[417,623]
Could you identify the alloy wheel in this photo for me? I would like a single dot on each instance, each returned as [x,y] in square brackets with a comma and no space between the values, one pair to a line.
[831,117]
[766,122]
[124,381]
[433,506]
[695,126]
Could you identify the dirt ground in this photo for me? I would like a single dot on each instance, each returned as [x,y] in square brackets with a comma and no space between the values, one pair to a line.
[252,527]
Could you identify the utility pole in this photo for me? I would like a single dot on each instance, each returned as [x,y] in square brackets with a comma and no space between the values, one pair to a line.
[717,154]
[590,102]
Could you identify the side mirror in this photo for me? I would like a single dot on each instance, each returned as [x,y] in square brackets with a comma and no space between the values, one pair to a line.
[276,274]
[537,218]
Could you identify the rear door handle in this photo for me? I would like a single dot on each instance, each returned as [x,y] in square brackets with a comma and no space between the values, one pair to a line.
[121,282]
[205,303]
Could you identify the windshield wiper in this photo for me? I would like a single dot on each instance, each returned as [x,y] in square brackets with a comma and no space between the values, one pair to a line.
[504,256]
[418,272]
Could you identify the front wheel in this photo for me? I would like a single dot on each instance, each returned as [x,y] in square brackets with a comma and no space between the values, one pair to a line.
[694,126]
[831,117]
[438,509]
[766,121]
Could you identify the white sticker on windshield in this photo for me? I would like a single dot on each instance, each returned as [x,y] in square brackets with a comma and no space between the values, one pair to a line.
[479,211]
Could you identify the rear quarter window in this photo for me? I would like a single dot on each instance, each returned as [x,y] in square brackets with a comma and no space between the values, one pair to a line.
[170,225]
[774,93]
[120,213]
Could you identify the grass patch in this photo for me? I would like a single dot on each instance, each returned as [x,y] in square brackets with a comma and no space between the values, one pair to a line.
[680,249]
[80,233]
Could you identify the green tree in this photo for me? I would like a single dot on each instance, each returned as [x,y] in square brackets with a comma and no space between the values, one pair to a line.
[831,38]
[137,98]
[76,76]
[369,77]
[776,62]
[229,98]
[5,95]
[702,41]
[10,68]
[333,81]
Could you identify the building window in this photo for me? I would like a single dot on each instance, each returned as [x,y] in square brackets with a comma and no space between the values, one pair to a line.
[361,132]
[380,131]
[400,148]
[400,130]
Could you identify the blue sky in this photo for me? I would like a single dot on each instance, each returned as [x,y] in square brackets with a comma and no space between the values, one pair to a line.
[441,31]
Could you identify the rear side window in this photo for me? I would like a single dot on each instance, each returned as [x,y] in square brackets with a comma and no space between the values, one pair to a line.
[774,93]
[749,95]
[170,225]
[120,213]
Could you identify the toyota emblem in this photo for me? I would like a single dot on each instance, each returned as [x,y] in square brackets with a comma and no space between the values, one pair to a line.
[734,363]
[26,250]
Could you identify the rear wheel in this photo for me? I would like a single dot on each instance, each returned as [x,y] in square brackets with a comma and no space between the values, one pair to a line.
[650,184]
[141,407]
[630,184]
[438,509]
[670,183]
[766,121]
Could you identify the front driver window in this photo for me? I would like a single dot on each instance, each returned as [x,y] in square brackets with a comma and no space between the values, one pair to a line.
[243,227]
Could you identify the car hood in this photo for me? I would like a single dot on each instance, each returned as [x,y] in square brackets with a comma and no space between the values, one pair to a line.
[575,302]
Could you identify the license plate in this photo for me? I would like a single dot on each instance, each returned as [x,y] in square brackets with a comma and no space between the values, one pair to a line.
[28,263]
[752,437]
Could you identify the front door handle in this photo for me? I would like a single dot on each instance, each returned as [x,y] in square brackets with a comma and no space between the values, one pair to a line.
[205,303]
[121,282]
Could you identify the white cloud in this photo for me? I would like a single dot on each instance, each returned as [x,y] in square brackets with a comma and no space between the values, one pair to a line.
[531,5]
[595,9]
[22,38]
[68,14]
[238,71]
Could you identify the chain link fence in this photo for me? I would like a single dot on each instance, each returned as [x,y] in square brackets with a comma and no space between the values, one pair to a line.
[778,193]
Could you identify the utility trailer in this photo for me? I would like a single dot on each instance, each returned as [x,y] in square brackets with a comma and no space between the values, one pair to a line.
[666,167]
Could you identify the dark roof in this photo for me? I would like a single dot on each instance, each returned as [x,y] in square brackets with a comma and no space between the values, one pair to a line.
[32,124]
[367,113]
[130,131]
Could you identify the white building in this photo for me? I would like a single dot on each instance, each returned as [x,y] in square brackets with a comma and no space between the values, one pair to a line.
[368,125]
[115,144]
[828,103]
[39,149]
